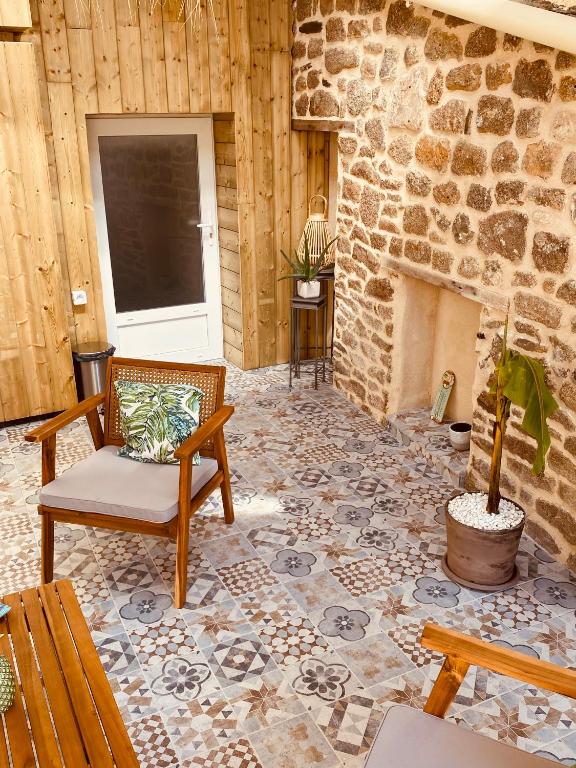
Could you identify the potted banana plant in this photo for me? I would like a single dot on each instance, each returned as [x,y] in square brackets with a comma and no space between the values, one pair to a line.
[484,530]
[305,269]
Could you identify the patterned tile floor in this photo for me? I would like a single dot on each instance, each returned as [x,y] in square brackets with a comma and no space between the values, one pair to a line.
[302,619]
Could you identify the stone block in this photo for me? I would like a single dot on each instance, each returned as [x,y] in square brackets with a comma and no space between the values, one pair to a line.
[462,230]
[567,89]
[433,152]
[510,192]
[435,87]
[497,74]
[468,159]
[335,30]
[447,193]
[569,169]
[505,158]
[389,65]
[565,467]
[415,220]
[481,42]
[315,48]
[357,29]
[301,105]
[547,197]
[540,310]
[479,198]
[503,233]
[379,288]
[528,122]
[533,80]
[464,78]
[418,251]
[347,144]
[469,268]
[442,261]
[540,158]
[495,115]
[323,104]
[567,292]
[401,150]
[441,45]
[403,20]
[418,183]
[564,126]
[407,101]
[450,118]
[338,58]
[550,252]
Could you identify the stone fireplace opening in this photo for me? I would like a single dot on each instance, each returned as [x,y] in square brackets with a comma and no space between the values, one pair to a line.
[437,331]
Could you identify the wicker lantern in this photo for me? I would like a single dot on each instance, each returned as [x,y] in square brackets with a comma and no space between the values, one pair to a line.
[318,234]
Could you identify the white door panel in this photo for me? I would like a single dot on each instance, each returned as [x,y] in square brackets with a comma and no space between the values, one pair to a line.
[155,207]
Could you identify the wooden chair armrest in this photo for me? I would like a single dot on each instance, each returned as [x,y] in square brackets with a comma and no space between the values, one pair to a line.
[207,430]
[469,650]
[52,426]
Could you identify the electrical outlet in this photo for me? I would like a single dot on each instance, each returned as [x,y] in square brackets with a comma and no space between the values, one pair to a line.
[79,298]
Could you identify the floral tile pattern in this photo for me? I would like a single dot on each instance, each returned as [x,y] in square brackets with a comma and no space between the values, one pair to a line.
[302,620]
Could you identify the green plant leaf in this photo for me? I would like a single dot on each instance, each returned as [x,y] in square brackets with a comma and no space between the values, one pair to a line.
[525,386]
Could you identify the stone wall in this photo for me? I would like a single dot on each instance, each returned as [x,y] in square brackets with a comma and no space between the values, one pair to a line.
[461,162]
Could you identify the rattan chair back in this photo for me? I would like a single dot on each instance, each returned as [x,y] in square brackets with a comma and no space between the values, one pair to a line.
[209,378]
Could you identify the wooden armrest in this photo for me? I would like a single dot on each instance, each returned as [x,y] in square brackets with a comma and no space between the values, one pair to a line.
[469,650]
[53,425]
[204,432]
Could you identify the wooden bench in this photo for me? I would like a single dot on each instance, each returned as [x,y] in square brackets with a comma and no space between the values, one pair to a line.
[64,713]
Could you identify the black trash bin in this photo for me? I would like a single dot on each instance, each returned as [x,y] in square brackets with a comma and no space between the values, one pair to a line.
[90,363]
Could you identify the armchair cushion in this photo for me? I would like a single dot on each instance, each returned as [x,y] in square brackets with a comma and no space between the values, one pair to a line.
[408,738]
[107,484]
[156,419]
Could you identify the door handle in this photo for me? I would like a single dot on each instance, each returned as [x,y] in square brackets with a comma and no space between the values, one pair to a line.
[210,227]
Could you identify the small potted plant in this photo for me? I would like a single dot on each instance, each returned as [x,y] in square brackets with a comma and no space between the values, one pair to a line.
[305,269]
[484,530]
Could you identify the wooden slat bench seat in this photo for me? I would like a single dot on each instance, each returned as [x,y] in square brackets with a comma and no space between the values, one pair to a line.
[64,714]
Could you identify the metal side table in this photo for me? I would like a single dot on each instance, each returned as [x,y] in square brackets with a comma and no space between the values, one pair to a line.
[318,306]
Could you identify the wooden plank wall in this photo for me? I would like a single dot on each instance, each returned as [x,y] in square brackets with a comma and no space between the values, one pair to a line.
[118,57]
[14,14]
[228,238]
[36,374]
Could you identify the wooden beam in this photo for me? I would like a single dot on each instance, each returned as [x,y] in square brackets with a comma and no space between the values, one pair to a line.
[300,124]
[473,292]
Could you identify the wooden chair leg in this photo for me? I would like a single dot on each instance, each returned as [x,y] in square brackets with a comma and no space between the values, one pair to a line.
[182,538]
[225,486]
[446,686]
[47,549]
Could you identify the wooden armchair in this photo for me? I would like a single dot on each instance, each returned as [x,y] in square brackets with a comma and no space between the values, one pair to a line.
[107,491]
[409,738]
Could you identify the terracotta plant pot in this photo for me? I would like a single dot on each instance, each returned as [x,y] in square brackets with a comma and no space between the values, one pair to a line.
[459,433]
[308,289]
[482,560]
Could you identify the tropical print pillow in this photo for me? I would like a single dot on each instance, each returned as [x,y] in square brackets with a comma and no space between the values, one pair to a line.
[155,419]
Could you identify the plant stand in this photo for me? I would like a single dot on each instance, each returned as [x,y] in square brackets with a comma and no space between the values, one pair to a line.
[318,306]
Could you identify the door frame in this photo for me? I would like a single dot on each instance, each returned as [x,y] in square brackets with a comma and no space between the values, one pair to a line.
[162,124]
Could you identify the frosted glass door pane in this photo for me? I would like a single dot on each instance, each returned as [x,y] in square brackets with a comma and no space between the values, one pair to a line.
[152,202]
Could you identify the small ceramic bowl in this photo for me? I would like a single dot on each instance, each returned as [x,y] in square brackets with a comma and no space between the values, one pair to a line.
[459,434]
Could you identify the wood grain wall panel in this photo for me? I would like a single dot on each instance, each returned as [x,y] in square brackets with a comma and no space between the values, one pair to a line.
[106,56]
[228,239]
[178,91]
[198,63]
[36,372]
[153,63]
[219,58]
[54,41]
[77,14]
[15,14]
[131,70]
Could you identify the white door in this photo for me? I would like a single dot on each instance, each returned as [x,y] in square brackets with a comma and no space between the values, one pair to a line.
[155,207]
